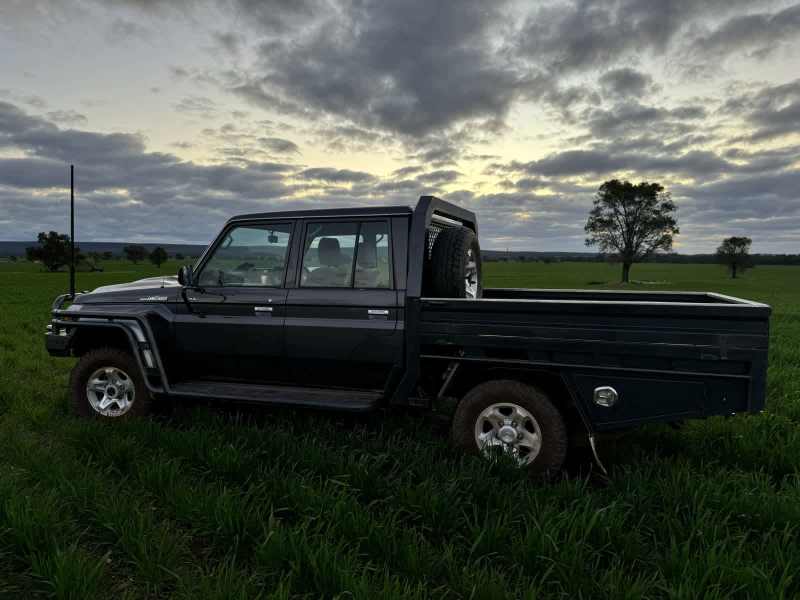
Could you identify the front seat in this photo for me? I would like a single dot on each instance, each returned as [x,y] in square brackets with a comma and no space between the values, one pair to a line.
[334,269]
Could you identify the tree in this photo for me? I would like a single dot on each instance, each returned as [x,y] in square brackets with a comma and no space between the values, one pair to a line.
[158,256]
[108,255]
[734,252]
[53,251]
[631,222]
[135,253]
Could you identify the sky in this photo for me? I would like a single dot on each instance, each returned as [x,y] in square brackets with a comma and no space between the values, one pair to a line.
[181,113]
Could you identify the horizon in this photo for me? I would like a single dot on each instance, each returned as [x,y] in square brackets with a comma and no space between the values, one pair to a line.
[179,114]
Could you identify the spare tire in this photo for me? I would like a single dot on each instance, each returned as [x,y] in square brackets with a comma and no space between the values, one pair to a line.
[455,270]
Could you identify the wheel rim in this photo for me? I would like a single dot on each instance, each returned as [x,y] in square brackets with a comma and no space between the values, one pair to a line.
[511,429]
[110,391]
[471,275]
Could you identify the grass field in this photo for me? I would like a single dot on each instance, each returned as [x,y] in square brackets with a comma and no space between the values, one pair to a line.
[222,504]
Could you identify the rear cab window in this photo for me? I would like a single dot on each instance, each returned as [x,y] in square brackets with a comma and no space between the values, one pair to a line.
[351,254]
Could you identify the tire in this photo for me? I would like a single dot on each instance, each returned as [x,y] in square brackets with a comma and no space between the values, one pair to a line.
[454,250]
[111,364]
[547,421]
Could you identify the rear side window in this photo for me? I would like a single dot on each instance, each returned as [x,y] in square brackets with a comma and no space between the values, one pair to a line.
[347,255]
[328,255]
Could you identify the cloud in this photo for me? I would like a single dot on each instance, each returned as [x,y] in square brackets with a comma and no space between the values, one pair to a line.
[701,164]
[67,117]
[411,68]
[440,177]
[625,82]
[632,117]
[229,41]
[335,175]
[279,145]
[581,35]
[152,192]
[759,34]
[199,105]
[124,30]
[772,111]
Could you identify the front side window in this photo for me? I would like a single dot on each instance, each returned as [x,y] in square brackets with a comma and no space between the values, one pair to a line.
[346,255]
[252,255]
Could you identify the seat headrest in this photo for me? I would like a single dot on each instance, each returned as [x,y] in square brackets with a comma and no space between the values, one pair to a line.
[368,255]
[329,252]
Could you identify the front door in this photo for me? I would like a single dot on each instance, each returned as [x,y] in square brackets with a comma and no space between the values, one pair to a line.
[233,326]
[341,319]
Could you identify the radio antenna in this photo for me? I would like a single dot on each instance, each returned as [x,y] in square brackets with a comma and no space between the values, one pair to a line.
[72,231]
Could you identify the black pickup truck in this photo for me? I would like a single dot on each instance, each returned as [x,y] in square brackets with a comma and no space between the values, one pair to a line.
[354,309]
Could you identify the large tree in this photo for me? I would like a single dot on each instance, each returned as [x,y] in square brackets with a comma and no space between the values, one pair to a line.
[135,253]
[734,252]
[53,250]
[158,256]
[631,222]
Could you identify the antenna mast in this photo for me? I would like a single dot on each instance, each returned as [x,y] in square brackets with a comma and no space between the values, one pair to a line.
[72,231]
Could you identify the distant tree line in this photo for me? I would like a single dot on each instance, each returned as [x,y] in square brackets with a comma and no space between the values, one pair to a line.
[54,253]
[672,257]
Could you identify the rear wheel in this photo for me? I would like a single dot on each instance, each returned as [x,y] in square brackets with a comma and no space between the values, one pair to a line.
[456,264]
[107,384]
[515,419]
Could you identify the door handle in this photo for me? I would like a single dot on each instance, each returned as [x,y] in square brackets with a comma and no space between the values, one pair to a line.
[377,312]
[263,310]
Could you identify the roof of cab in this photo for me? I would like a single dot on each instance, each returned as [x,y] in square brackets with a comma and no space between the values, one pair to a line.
[378,211]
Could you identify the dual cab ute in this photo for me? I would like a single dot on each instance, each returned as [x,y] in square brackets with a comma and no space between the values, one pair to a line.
[355,309]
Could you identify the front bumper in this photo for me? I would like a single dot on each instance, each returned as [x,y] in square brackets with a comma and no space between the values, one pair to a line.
[58,338]
[58,342]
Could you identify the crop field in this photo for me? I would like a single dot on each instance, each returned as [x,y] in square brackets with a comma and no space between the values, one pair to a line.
[232,503]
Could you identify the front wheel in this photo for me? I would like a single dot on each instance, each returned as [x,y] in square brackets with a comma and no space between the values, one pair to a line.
[107,384]
[514,419]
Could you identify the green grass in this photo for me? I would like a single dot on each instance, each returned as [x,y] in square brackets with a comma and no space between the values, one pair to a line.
[288,504]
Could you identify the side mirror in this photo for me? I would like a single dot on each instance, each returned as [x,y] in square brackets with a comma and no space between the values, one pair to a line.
[186,276]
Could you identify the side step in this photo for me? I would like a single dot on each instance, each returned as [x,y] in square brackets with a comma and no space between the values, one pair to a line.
[336,399]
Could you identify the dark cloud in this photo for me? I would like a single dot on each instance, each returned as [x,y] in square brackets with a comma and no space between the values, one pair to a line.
[758,34]
[255,93]
[279,145]
[634,118]
[697,164]
[772,112]
[439,177]
[229,41]
[625,82]
[335,175]
[406,171]
[411,68]
[582,34]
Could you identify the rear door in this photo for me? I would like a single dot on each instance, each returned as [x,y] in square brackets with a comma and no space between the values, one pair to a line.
[341,319]
[233,327]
